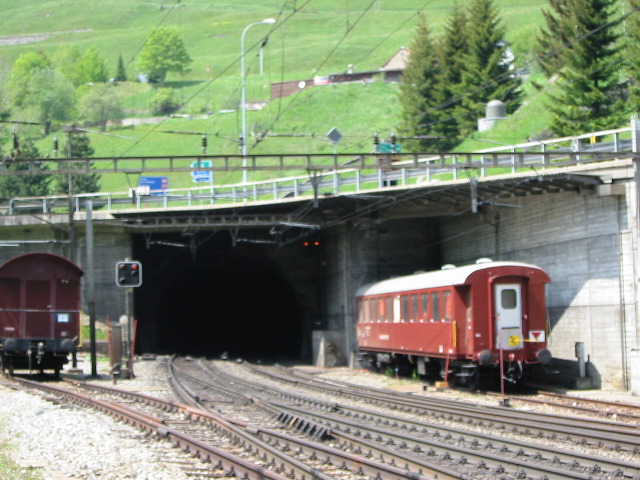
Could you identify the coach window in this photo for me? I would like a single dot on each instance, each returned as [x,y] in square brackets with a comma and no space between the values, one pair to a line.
[372,310]
[380,310]
[414,308]
[509,299]
[405,309]
[425,307]
[435,306]
[388,309]
[446,306]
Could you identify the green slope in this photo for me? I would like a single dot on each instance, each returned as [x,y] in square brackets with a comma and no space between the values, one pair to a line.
[317,37]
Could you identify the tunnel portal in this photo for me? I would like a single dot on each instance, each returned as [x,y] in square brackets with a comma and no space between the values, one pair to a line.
[216,300]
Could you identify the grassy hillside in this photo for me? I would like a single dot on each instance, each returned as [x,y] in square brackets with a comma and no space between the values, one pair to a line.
[316,37]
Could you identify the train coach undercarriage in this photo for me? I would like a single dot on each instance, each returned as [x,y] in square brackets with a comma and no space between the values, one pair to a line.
[36,355]
[457,373]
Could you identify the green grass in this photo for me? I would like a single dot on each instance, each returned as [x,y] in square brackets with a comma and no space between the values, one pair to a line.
[320,38]
[9,470]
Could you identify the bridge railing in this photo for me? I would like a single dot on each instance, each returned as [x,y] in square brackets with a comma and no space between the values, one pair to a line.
[335,174]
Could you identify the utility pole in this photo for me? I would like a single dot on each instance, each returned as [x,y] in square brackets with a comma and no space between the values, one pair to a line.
[71,228]
[91,289]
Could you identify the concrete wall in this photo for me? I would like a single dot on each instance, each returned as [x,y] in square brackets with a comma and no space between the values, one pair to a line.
[585,242]
[367,250]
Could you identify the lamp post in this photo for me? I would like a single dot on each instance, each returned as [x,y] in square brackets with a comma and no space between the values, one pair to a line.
[243,107]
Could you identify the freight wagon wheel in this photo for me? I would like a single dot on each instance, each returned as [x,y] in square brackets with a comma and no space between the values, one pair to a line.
[7,365]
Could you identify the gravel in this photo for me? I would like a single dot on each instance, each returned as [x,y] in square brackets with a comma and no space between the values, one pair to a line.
[71,444]
[68,443]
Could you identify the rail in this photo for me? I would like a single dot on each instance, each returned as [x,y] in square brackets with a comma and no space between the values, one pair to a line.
[321,174]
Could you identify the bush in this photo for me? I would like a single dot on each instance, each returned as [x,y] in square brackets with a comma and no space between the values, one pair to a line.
[164,101]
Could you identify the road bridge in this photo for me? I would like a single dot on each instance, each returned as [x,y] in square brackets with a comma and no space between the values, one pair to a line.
[270,268]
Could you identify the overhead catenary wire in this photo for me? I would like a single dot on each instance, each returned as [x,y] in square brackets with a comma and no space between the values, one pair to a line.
[231,65]
[320,65]
[160,23]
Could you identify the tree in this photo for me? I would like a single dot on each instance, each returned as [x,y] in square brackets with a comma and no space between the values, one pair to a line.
[65,61]
[51,97]
[632,55]
[163,52]
[487,65]
[21,185]
[164,101]
[451,50]
[552,41]
[78,146]
[99,104]
[417,89]
[5,102]
[25,66]
[588,95]
[121,73]
[90,68]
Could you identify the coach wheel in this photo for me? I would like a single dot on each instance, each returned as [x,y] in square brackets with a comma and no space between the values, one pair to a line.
[467,377]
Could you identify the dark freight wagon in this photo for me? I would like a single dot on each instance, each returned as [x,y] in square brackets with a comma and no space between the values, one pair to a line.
[39,312]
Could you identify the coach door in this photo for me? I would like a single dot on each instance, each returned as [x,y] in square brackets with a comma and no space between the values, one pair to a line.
[508,315]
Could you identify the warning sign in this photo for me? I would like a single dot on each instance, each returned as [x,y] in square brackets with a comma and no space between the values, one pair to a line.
[537,336]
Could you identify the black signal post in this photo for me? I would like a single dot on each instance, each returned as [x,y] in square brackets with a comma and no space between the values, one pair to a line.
[129,275]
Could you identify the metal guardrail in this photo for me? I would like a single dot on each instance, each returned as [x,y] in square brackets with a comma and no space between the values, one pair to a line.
[325,174]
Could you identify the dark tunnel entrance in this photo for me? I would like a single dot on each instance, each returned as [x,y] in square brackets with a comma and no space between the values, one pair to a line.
[213,300]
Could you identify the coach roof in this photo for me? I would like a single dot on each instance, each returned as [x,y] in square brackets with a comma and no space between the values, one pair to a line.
[437,278]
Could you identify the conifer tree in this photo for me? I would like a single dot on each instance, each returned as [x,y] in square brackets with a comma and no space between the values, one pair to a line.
[451,50]
[78,146]
[417,89]
[21,185]
[121,75]
[587,97]
[488,68]
[552,41]
[632,55]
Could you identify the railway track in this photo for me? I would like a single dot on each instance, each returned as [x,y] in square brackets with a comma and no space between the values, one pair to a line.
[605,434]
[623,412]
[396,439]
[256,422]
[193,431]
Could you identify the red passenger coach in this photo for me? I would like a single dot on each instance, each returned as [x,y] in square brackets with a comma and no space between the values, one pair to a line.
[39,312]
[466,321]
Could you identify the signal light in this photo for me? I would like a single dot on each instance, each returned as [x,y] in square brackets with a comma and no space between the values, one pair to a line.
[128,273]
[314,243]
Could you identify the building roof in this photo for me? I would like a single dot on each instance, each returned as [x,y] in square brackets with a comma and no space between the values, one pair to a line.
[398,61]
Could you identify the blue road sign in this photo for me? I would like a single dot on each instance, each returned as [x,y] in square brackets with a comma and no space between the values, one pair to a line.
[202,176]
[155,184]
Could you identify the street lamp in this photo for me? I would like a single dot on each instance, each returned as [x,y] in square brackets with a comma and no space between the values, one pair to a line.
[243,107]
